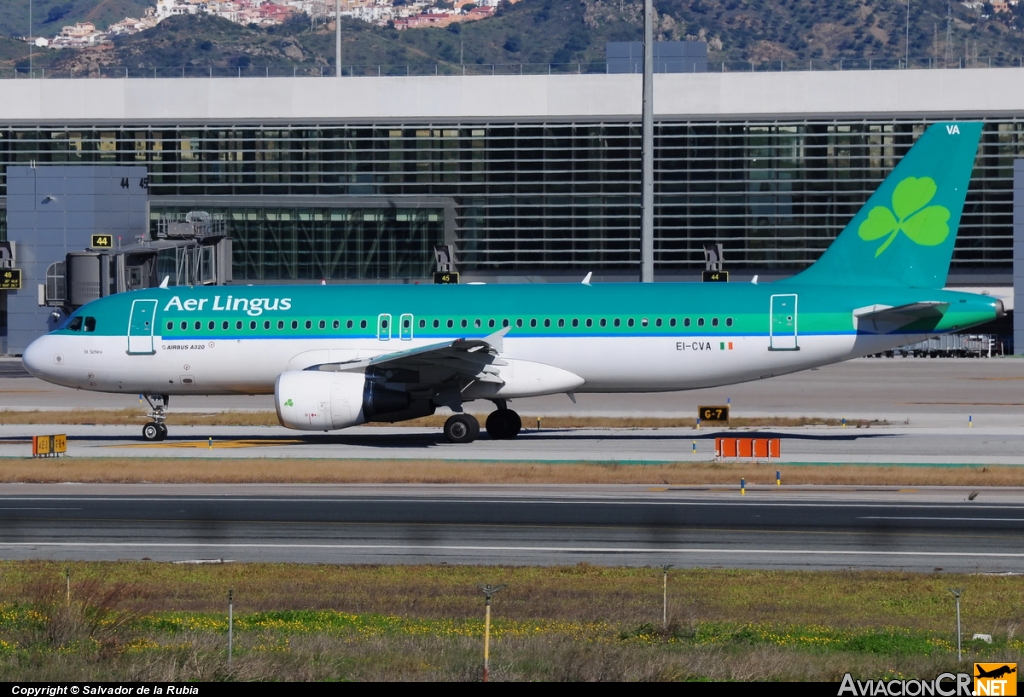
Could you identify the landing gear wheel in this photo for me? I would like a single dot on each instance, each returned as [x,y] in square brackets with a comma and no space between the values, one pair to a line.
[515,424]
[156,429]
[503,424]
[461,428]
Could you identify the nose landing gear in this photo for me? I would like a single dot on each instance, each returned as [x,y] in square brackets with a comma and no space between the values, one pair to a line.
[156,429]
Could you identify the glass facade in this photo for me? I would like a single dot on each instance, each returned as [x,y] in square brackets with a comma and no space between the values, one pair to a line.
[284,243]
[533,197]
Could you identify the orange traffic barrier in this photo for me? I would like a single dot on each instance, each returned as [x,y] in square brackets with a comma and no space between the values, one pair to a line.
[748,447]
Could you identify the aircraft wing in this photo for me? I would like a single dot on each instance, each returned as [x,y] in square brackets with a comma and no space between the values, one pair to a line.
[468,359]
[884,319]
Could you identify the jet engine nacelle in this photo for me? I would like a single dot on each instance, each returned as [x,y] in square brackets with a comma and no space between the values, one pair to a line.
[311,400]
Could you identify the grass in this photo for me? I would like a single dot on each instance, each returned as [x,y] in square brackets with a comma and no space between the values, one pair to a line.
[297,471]
[108,417]
[158,621]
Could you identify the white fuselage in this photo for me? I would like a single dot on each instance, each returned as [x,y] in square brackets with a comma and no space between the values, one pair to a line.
[608,364]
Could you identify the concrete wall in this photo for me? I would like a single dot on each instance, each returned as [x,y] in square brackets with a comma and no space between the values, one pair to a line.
[828,94]
[55,210]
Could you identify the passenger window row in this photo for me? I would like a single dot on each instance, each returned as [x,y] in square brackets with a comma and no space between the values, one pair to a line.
[211,325]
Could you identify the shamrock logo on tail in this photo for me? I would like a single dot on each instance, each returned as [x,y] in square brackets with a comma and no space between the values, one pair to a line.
[289,403]
[923,225]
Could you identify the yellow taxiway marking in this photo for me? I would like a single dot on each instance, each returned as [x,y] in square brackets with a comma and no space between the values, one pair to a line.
[200,444]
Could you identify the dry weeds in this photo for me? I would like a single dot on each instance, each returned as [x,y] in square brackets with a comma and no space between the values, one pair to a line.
[108,417]
[323,471]
[555,599]
[583,592]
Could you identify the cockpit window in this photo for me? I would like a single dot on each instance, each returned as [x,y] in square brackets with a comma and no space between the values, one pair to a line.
[76,324]
[90,324]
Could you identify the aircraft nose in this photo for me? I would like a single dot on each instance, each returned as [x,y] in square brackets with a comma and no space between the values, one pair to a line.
[40,358]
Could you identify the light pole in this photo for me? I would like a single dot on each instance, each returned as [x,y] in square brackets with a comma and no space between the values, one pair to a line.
[337,38]
[956,594]
[488,591]
[647,151]
[906,56]
[231,623]
[664,595]
[31,43]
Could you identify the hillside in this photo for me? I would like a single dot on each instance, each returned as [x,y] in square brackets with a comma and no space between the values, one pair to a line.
[48,16]
[571,31]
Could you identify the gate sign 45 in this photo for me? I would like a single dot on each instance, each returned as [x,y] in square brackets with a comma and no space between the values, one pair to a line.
[10,279]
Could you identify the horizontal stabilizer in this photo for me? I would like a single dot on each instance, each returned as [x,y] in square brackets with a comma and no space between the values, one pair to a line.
[884,319]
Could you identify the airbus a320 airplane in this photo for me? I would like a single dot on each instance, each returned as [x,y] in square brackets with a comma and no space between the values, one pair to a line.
[338,356]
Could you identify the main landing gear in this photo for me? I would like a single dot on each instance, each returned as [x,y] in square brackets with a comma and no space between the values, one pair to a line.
[502,424]
[461,428]
[156,429]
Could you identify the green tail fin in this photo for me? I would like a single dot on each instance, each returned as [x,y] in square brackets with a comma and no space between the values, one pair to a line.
[905,233]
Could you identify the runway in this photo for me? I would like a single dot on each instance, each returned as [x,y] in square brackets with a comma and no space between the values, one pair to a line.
[801,528]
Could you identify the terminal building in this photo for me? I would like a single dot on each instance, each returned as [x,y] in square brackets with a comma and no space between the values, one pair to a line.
[531,178]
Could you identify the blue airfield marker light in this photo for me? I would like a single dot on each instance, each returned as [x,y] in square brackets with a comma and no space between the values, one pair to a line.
[970,422]
[698,423]
[694,451]
[844,422]
[743,487]
[210,446]
[778,477]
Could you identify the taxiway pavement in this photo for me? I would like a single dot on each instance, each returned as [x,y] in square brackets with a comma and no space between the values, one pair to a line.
[939,393]
[927,403]
[876,445]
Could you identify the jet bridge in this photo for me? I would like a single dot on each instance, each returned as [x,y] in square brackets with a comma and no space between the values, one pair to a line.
[190,251]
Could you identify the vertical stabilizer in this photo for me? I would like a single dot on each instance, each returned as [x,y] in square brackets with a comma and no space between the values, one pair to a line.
[905,233]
